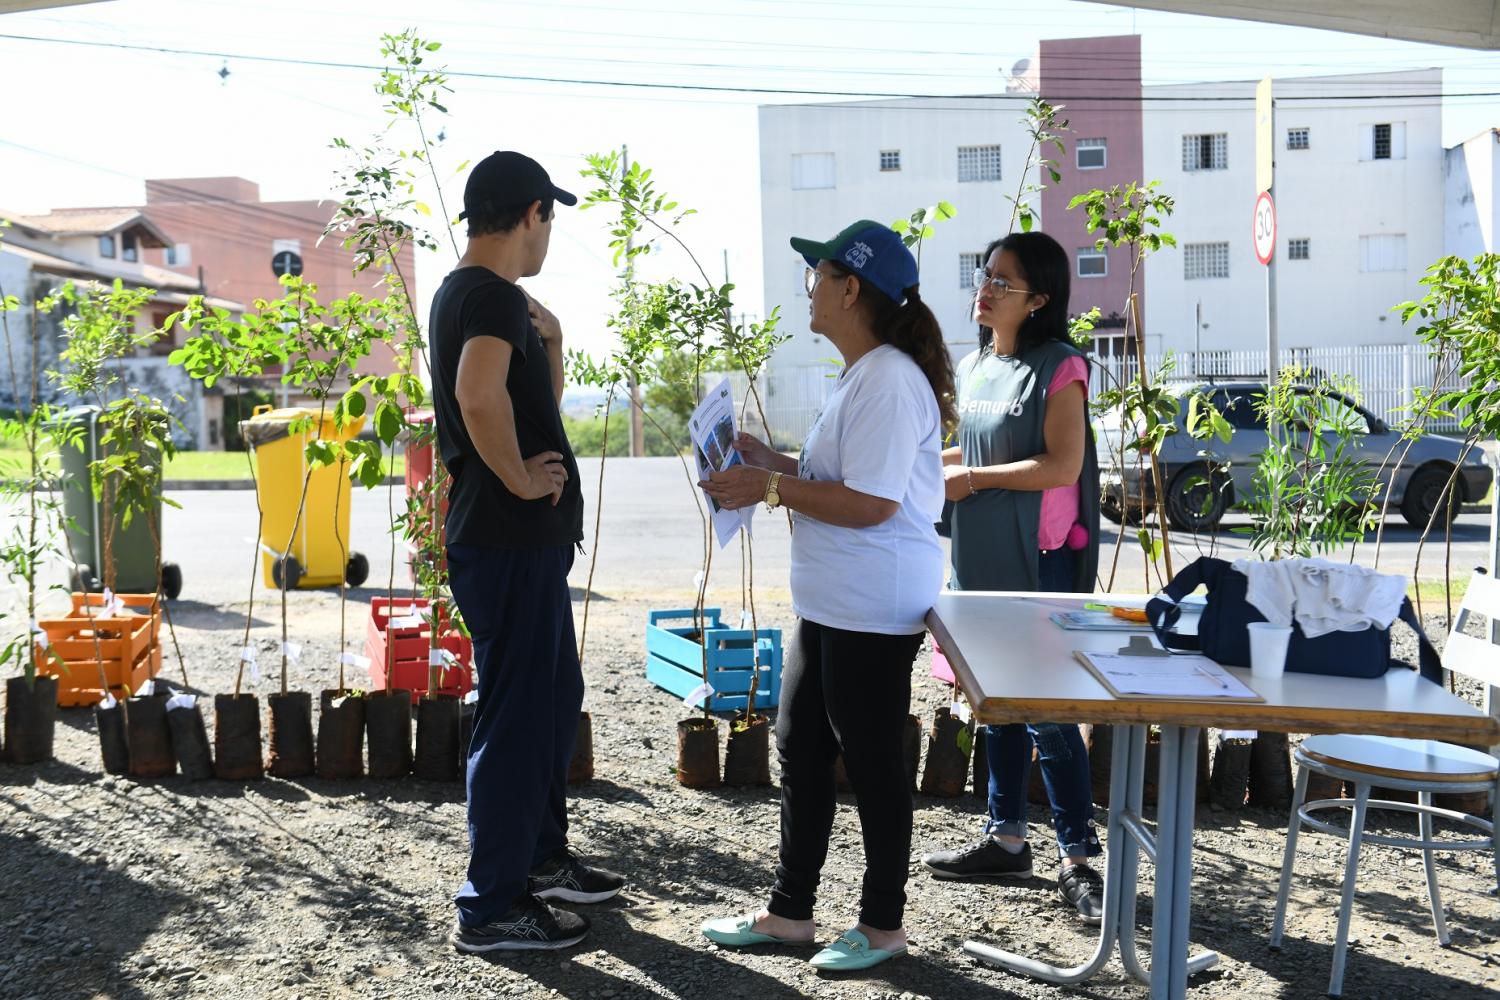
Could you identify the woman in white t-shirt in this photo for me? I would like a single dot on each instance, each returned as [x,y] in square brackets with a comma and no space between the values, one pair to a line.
[866,568]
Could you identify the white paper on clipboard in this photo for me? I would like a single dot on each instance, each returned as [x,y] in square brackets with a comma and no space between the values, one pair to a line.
[1188,676]
[712,429]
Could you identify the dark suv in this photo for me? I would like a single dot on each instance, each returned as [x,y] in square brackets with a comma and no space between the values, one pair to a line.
[1417,486]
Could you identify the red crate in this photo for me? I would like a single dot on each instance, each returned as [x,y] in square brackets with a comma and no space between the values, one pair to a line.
[410,647]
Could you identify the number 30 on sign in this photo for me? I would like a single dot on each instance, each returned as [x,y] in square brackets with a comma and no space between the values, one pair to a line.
[1264,227]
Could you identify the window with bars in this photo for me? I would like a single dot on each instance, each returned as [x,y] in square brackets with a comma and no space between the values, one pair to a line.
[1092,154]
[812,171]
[1205,260]
[1209,151]
[978,163]
[1383,141]
[1298,138]
[1092,263]
[968,263]
[1382,252]
[890,159]
[1299,249]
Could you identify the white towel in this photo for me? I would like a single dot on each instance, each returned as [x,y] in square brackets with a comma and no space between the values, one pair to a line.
[1323,596]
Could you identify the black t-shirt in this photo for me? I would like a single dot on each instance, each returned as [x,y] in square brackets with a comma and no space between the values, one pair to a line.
[476,302]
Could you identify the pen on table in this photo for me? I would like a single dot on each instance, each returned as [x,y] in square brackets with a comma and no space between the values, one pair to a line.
[1217,680]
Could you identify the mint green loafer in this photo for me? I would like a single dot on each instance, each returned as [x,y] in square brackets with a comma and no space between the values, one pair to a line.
[740,932]
[852,952]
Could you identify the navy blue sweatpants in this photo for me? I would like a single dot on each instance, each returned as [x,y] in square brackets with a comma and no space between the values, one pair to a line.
[516,605]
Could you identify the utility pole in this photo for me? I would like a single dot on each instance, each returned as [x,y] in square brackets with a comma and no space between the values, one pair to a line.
[637,422]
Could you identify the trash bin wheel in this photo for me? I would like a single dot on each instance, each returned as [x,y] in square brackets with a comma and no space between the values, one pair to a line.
[358,569]
[286,572]
[171,580]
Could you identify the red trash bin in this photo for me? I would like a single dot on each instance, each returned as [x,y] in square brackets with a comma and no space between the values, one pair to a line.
[421,452]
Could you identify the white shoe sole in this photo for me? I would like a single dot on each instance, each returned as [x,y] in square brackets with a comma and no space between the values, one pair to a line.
[576,895]
[517,944]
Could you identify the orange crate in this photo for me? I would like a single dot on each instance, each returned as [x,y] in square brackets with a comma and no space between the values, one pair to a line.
[136,605]
[78,680]
[121,639]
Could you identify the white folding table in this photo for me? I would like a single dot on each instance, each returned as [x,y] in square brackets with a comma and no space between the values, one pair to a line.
[1015,665]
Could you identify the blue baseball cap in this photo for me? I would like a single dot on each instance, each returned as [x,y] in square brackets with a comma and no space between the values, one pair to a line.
[871,250]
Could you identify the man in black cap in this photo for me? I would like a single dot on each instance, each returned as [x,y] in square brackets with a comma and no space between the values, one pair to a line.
[515,515]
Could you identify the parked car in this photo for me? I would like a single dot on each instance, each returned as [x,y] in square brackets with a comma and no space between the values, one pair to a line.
[1417,484]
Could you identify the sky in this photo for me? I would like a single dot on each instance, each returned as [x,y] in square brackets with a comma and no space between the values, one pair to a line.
[102,116]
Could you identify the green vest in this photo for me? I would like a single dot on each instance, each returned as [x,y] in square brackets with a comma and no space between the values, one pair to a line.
[1002,405]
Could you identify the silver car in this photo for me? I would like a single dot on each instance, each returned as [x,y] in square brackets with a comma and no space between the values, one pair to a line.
[1417,486]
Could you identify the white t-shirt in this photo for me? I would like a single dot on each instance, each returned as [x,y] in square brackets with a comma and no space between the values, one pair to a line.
[880,434]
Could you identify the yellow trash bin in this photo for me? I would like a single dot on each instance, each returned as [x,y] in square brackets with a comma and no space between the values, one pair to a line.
[305,551]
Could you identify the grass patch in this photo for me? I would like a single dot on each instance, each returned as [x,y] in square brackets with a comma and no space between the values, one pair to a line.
[194,465]
[1432,593]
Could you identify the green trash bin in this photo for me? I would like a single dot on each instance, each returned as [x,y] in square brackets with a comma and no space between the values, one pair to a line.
[134,551]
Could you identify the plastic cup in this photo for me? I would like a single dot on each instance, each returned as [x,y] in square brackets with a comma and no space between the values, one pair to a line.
[1268,646]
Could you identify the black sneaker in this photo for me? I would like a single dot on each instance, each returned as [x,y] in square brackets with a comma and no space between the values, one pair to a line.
[567,879]
[981,860]
[529,925]
[1084,888]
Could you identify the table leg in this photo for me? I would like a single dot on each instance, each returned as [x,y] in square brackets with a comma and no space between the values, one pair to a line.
[1128,757]
[1130,864]
[1172,910]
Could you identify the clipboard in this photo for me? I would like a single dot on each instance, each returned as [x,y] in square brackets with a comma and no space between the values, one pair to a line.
[1178,678]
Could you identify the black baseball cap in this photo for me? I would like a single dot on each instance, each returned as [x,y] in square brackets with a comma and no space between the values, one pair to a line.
[507,179]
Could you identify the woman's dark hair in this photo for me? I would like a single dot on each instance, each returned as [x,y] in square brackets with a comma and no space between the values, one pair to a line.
[912,327]
[1047,271]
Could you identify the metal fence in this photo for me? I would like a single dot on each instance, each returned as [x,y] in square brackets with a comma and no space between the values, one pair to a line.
[792,396]
[1387,376]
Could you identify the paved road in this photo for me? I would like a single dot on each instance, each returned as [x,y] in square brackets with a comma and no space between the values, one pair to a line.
[651,540]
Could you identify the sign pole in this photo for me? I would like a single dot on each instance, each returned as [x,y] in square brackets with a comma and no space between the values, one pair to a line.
[1265,181]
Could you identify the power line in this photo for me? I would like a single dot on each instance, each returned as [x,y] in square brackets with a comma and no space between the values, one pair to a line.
[718,88]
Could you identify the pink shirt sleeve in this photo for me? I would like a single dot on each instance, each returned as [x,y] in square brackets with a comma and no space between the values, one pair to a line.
[1060,504]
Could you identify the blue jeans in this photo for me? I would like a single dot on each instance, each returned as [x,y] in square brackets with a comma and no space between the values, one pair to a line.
[1060,749]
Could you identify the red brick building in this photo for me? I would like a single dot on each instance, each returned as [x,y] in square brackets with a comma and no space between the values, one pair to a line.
[224,234]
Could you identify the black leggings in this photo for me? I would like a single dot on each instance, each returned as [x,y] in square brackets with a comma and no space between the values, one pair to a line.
[850,691]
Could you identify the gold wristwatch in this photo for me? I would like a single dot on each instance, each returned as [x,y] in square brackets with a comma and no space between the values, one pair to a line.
[773,493]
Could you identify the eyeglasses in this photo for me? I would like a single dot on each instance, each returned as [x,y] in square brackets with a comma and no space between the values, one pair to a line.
[810,279]
[1000,285]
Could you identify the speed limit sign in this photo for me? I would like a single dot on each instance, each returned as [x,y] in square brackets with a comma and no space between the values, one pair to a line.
[1265,228]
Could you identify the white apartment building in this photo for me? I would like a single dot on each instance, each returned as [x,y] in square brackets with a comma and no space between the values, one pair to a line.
[1359,209]
[1471,220]
[825,166]
[1366,197]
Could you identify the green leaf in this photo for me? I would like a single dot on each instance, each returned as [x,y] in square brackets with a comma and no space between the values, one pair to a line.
[388,422]
[965,741]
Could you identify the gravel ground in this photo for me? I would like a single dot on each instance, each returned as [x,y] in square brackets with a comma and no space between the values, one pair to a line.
[120,888]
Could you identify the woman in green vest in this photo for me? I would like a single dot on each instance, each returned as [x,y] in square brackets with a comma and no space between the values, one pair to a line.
[1025,490]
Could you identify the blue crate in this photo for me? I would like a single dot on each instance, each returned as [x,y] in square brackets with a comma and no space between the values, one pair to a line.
[675,663]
